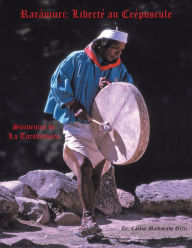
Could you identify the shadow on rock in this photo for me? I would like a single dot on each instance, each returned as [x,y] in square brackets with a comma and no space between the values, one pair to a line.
[3,245]
[5,235]
[170,242]
[103,220]
[131,214]
[99,239]
[21,227]
[30,244]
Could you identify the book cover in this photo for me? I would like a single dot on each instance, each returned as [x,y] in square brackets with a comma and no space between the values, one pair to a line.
[36,36]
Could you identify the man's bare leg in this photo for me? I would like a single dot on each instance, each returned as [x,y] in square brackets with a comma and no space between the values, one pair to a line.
[96,179]
[86,188]
[85,185]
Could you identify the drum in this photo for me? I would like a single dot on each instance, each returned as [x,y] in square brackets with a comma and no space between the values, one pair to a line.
[124,107]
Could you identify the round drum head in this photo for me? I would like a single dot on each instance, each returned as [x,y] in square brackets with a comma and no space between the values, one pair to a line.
[124,107]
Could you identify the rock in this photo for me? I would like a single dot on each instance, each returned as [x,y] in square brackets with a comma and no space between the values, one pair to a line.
[34,210]
[126,199]
[165,196]
[68,219]
[57,188]
[19,189]
[54,186]
[108,201]
[8,207]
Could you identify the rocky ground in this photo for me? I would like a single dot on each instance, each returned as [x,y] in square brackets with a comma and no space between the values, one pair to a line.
[42,210]
[129,229]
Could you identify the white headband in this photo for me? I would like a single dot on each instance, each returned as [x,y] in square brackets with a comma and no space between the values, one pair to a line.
[114,35]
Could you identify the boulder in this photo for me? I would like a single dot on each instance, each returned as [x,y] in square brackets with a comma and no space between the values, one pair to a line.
[107,200]
[165,196]
[8,207]
[34,210]
[54,186]
[19,189]
[68,219]
[126,199]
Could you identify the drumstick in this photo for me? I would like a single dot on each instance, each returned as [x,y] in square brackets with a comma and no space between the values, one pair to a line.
[87,117]
[90,119]
[97,122]
[103,126]
[106,127]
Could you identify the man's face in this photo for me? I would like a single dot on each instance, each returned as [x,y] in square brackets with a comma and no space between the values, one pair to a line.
[114,51]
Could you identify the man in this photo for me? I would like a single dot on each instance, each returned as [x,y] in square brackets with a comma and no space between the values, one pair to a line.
[74,85]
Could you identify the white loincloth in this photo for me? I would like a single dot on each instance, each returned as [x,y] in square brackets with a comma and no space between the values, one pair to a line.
[79,137]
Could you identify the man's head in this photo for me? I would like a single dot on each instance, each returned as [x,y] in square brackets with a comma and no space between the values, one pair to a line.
[112,51]
[110,44]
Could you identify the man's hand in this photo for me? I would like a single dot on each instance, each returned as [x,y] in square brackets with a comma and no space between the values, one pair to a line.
[103,82]
[79,111]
